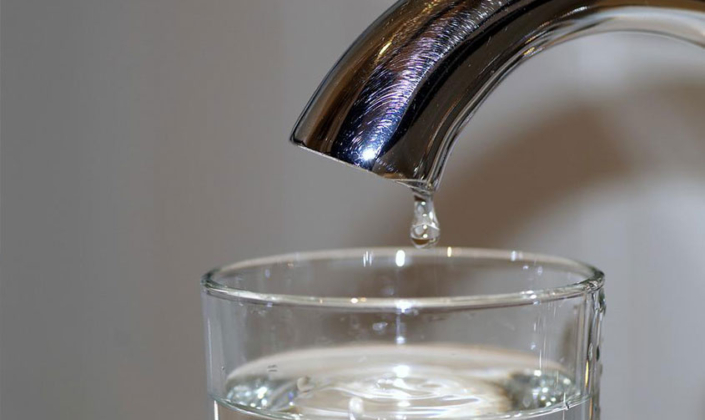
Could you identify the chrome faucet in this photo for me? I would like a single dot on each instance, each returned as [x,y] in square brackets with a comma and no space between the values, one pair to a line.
[396,100]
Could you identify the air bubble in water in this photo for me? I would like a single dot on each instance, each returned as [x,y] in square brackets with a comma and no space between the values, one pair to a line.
[356,408]
[425,229]
[304,384]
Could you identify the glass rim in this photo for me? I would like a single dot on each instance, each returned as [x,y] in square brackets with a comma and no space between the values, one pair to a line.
[593,282]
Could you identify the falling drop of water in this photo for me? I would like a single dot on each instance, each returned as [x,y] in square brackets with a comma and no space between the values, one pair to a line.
[356,408]
[425,229]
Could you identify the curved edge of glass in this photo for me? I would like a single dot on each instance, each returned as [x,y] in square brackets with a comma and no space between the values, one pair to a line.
[593,282]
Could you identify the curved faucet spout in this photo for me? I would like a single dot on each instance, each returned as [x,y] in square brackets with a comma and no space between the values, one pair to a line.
[395,101]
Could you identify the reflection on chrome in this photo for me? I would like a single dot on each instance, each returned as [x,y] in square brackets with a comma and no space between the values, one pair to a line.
[396,100]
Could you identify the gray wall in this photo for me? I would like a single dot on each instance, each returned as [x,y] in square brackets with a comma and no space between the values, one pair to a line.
[144,142]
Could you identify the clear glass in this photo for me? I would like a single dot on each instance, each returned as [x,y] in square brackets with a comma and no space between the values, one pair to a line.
[404,334]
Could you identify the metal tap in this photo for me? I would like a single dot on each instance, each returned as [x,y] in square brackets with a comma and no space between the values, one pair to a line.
[396,100]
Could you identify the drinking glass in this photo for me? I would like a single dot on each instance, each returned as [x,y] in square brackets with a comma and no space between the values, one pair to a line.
[389,333]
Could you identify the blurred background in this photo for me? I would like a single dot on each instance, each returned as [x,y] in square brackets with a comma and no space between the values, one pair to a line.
[144,142]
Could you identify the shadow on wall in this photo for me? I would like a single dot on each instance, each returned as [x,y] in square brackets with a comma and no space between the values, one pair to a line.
[564,154]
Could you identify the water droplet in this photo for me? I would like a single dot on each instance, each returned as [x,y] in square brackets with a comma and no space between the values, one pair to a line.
[304,384]
[425,230]
[356,408]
